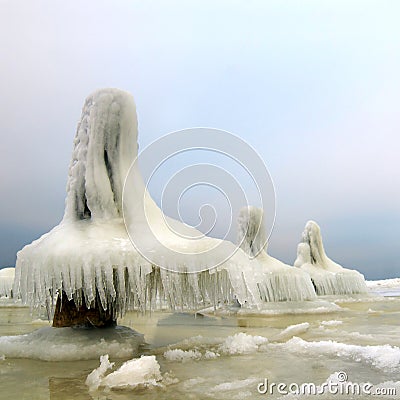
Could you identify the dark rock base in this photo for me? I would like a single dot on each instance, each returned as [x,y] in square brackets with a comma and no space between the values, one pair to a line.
[67,314]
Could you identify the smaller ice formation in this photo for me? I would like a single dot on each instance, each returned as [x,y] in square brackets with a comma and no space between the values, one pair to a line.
[327,276]
[276,281]
[7,282]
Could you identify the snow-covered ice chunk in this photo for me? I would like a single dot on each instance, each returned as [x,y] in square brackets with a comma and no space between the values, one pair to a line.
[93,380]
[143,372]
[69,344]
[182,355]
[242,343]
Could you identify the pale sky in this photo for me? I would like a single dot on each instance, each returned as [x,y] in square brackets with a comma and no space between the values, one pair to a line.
[314,86]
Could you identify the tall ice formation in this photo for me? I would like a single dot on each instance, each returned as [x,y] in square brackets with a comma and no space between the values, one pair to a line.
[328,277]
[276,281]
[88,258]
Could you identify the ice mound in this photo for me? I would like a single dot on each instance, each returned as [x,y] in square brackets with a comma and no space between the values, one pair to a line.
[139,372]
[383,357]
[6,282]
[69,344]
[186,355]
[327,276]
[241,343]
[89,256]
[276,281]
[203,348]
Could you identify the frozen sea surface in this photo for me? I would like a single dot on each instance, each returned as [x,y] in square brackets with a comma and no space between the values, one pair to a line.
[215,356]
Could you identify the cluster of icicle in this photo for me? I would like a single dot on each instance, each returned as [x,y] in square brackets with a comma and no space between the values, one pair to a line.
[328,277]
[89,257]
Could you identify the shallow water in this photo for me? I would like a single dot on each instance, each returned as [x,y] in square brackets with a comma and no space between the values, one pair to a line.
[361,338]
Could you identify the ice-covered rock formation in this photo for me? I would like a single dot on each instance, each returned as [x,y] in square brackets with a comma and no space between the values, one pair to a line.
[276,281]
[89,258]
[328,277]
[6,281]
